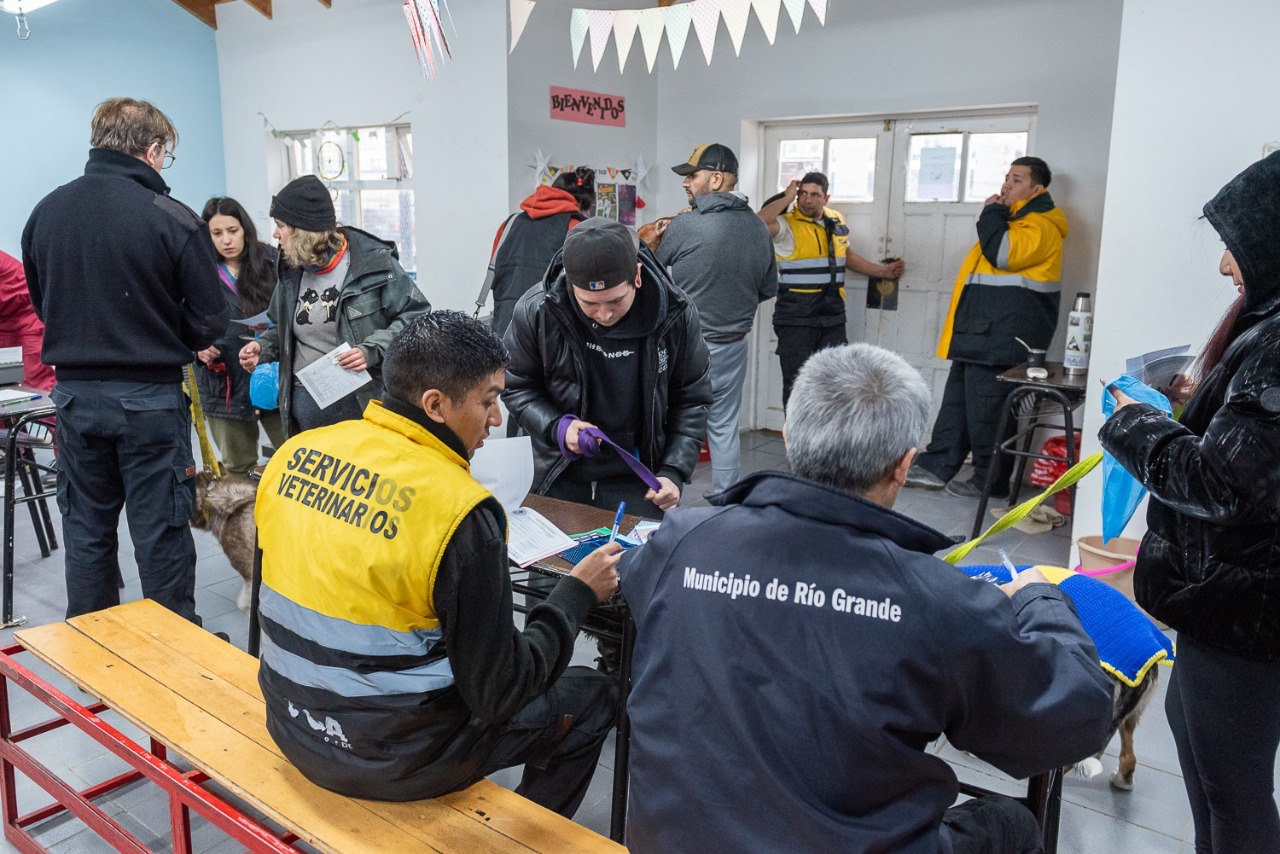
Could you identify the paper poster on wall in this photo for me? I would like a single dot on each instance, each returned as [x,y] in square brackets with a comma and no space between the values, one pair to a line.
[627,204]
[592,108]
[607,200]
[937,173]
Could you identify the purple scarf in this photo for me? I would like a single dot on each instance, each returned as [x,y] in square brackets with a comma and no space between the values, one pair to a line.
[591,440]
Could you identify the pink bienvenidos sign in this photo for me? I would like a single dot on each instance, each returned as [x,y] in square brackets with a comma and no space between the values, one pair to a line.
[592,108]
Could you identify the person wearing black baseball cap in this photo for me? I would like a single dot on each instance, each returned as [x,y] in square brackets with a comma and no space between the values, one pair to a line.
[608,342]
[337,284]
[721,255]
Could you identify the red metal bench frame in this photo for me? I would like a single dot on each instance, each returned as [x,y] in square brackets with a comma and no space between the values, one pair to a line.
[184,789]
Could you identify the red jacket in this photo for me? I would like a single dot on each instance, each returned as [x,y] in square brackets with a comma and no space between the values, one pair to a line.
[17,315]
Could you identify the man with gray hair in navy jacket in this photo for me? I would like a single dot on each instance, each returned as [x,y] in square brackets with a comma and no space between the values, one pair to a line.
[798,648]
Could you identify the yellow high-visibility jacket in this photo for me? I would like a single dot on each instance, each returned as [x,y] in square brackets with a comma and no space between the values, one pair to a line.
[1008,286]
[811,278]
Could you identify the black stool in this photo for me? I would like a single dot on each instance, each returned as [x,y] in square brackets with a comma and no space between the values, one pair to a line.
[1063,393]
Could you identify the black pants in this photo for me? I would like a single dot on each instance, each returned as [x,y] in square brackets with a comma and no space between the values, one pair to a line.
[797,343]
[1224,711]
[558,738]
[993,824]
[607,493]
[971,405]
[126,445]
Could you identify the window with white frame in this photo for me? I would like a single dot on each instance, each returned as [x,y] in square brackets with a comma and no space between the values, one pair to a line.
[941,165]
[369,172]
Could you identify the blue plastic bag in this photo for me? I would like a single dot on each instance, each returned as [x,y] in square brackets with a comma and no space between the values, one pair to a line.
[1121,491]
[264,385]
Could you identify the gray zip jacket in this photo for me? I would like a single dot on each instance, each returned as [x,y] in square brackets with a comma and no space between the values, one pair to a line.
[721,255]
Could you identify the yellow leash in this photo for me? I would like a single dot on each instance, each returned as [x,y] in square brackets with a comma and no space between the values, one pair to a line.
[1068,479]
[210,460]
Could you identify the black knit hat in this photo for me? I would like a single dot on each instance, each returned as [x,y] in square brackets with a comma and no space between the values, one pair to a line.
[305,203]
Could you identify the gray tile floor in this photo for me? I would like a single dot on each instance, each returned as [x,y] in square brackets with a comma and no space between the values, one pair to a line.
[1154,817]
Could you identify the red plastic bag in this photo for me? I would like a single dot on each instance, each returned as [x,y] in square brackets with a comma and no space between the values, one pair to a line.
[1045,472]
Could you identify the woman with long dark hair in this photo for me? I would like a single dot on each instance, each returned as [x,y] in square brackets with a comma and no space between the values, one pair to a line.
[1209,565]
[247,268]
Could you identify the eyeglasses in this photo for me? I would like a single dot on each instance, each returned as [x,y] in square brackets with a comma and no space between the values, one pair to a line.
[168,160]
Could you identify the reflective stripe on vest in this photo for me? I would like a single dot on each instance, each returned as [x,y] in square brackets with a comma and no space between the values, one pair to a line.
[353,638]
[344,682]
[1013,280]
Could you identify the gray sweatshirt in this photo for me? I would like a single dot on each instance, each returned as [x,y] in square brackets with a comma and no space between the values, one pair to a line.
[721,255]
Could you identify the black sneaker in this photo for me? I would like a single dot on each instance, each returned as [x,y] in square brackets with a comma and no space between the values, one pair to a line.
[223,635]
[963,489]
[921,478]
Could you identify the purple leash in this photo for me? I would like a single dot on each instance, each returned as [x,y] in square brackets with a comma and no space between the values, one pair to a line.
[591,440]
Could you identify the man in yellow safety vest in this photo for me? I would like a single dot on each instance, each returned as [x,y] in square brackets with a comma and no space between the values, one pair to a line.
[812,245]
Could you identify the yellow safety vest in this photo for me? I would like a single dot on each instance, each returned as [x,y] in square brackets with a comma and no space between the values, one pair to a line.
[811,278]
[353,520]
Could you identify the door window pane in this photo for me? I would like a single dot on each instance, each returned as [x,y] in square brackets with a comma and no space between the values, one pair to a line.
[796,157]
[989,157]
[933,167]
[852,169]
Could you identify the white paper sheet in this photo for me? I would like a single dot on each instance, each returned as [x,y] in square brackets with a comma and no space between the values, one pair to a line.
[532,537]
[326,382]
[258,320]
[505,468]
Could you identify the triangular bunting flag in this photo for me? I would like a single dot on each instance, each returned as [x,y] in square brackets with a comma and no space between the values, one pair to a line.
[520,10]
[767,14]
[820,8]
[577,32]
[736,14]
[650,23]
[600,22]
[624,34]
[678,19]
[706,19]
[795,8]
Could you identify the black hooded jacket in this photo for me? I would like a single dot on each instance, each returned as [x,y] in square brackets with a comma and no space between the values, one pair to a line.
[547,377]
[1209,564]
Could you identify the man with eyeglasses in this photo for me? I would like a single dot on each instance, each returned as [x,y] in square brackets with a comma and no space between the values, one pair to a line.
[125,279]
[812,244]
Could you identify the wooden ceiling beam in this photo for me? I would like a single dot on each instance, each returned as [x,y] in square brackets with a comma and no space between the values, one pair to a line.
[202,9]
[263,6]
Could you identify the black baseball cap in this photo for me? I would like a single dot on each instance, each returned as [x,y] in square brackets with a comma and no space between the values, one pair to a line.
[600,253]
[711,156]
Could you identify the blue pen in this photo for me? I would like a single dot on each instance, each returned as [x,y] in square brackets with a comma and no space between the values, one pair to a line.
[617,520]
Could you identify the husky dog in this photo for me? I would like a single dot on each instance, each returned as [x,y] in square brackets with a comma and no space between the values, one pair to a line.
[224,507]
[1127,707]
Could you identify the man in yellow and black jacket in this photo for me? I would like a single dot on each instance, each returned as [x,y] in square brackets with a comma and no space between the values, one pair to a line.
[811,242]
[390,662]
[1008,288]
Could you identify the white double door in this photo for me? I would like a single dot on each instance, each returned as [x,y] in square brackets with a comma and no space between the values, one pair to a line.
[909,188]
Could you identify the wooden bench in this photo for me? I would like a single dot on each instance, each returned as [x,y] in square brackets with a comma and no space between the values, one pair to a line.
[198,696]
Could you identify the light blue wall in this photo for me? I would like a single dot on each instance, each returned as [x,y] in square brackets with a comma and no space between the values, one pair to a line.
[81,52]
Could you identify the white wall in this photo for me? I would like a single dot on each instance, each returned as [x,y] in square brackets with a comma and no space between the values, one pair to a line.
[354,64]
[1195,94]
[542,60]
[882,58]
